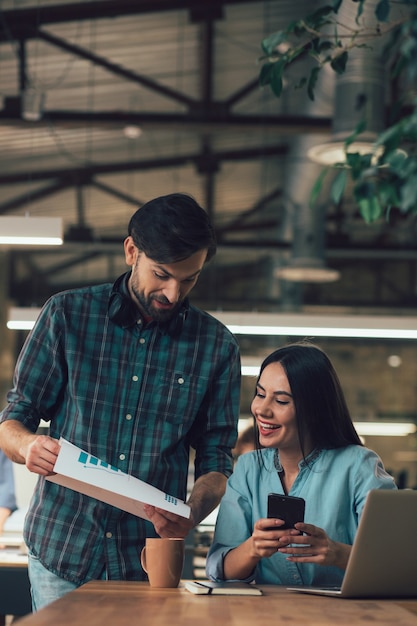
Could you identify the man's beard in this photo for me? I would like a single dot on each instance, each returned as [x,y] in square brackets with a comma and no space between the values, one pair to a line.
[146,306]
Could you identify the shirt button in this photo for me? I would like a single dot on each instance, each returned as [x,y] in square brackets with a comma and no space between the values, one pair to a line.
[180,381]
[141,340]
[135,378]
[109,535]
[128,416]
[122,457]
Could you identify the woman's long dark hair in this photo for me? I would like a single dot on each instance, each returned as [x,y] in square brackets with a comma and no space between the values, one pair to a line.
[321,411]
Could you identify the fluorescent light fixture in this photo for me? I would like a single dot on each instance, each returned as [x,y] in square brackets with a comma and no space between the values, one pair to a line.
[306,274]
[305,325]
[251,365]
[32,104]
[333,152]
[250,370]
[277,324]
[22,318]
[26,230]
[132,132]
[307,269]
[391,429]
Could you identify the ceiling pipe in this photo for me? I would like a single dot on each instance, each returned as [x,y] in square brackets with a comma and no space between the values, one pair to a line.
[359,91]
[347,97]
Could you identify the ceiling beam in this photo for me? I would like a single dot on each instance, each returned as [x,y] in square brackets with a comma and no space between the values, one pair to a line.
[15,20]
[85,173]
[116,69]
[217,118]
[373,251]
[34,195]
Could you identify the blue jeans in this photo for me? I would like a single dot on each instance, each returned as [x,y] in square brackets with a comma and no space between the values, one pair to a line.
[45,587]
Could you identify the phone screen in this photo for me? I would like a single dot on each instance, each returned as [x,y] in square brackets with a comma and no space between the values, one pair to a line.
[288,508]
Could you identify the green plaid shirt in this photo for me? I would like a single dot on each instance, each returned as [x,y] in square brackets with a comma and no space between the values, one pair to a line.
[137,398]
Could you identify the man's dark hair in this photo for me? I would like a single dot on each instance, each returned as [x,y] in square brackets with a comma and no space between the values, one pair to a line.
[171,228]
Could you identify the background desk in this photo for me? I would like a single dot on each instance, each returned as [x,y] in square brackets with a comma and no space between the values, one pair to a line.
[14,583]
[127,603]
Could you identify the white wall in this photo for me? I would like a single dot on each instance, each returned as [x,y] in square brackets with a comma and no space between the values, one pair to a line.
[24,482]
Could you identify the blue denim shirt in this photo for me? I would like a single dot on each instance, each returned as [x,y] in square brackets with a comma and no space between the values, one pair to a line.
[334,485]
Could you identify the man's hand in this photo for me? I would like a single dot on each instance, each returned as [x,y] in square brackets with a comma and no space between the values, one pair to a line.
[168,524]
[40,454]
[206,494]
[37,452]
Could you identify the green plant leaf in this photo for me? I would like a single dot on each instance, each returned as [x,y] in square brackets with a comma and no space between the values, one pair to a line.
[338,186]
[317,19]
[270,43]
[324,45]
[294,53]
[358,163]
[312,82]
[360,10]
[337,5]
[360,127]
[300,83]
[395,160]
[315,192]
[298,28]
[369,206]
[382,10]
[265,74]
[391,137]
[409,194]
[338,63]
[388,194]
[370,209]
[276,77]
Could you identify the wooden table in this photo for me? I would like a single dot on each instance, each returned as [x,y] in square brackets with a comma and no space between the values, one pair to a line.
[127,603]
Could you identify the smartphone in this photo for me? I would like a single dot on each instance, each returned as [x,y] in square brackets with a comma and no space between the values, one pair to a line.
[288,508]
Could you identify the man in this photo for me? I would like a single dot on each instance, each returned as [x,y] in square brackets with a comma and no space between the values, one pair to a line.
[135,375]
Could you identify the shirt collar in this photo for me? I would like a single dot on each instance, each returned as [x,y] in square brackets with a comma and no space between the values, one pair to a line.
[307,462]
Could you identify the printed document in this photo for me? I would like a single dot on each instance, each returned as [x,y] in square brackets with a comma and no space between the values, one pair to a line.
[79,470]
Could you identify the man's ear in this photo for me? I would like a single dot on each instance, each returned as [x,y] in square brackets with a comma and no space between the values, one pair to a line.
[131,251]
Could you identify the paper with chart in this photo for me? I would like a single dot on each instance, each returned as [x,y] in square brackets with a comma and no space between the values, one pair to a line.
[78,470]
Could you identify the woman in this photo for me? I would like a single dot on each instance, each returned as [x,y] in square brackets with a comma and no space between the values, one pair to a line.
[310,450]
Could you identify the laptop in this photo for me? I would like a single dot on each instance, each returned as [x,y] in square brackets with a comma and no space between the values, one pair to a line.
[383,560]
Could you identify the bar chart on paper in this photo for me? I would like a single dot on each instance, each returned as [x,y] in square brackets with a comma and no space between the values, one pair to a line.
[77,469]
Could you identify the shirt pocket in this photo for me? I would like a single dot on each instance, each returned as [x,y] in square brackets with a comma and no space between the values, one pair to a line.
[179,397]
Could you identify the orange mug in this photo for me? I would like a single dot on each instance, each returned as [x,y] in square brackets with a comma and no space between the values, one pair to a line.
[163,561]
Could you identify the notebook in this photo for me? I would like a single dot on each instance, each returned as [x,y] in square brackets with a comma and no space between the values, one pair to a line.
[383,560]
[207,588]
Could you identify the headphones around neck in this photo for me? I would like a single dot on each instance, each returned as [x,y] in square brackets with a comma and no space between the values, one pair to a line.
[123,311]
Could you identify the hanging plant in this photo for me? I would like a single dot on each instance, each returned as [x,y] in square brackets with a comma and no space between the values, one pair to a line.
[385,181]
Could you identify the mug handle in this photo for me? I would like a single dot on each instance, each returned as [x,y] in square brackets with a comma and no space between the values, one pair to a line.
[143,559]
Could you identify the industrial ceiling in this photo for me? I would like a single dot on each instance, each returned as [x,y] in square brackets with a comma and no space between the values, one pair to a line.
[139,98]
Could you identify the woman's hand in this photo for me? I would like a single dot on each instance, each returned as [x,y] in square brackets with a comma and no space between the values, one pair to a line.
[267,537]
[314,546]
